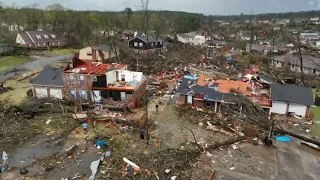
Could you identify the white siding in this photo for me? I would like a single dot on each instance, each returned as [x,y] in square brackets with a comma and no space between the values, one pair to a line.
[279,107]
[19,39]
[96,96]
[298,109]
[41,92]
[56,93]
[189,99]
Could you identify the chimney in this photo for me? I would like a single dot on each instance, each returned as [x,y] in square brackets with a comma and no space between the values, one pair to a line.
[94,55]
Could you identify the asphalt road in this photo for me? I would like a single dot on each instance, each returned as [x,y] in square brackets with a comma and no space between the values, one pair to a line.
[29,66]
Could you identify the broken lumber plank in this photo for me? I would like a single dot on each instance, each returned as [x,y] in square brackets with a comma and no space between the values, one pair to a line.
[225,143]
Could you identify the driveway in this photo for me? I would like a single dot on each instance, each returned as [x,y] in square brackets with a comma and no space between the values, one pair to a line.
[29,66]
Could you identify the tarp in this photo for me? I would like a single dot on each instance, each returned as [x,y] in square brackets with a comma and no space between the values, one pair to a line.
[195,77]
[283,138]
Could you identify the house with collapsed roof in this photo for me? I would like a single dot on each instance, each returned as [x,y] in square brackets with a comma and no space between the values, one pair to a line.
[91,82]
[102,83]
[203,91]
[193,38]
[291,99]
[311,65]
[195,91]
[40,38]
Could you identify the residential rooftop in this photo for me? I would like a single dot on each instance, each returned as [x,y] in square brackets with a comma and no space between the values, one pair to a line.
[96,68]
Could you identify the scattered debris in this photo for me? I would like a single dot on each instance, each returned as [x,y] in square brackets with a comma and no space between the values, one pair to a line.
[232,168]
[94,167]
[24,170]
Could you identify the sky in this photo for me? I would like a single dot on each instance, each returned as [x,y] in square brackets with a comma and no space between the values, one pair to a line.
[207,7]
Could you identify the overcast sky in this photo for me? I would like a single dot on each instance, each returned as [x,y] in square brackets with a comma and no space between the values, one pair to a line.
[212,7]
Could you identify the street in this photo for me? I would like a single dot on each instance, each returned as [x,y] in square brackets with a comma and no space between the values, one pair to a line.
[29,66]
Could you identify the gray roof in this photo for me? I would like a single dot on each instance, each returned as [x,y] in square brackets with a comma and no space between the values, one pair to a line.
[308,61]
[292,94]
[261,48]
[31,36]
[49,76]
[150,38]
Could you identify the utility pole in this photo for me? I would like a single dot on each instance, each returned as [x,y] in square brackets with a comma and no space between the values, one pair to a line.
[300,58]
[251,28]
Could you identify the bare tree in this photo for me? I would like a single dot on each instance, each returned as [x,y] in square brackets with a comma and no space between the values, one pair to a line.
[146,15]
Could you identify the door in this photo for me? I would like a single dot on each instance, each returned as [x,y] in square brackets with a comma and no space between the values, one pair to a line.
[96,96]
[279,107]
[189,100]
[299,110]
[123,96]
[56,93]
[41,92]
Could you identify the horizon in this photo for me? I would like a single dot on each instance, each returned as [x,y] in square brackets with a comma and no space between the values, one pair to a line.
[205,7]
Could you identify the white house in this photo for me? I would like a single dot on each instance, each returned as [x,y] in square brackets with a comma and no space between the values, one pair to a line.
[192,38]
[291,99]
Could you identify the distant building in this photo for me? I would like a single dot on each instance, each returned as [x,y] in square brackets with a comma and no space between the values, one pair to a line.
[40,38]
[265,49]
[97,54]
[6,48]
[311,65]
[143,44]
[246,36]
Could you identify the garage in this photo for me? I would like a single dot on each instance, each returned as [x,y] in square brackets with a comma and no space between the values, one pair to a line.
[298,109]
[56,93]
[41,92]
[279,107]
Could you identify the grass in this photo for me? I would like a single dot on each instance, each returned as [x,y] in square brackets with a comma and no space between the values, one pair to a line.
[9,61]
[62,51]
[316,116]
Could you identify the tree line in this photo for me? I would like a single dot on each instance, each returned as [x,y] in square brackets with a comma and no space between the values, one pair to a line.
[84,27]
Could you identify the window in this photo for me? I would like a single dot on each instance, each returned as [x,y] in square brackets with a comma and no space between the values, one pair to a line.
[140,44]
[39,44]
[53,36]
[83,94]
[73,94]
[208,104]
[152,44]
[123,77]
[46,36]
[314,71]
[52,43]
[135,44]
[38,37]
[81,77]
[161,42]
[94,78]
[71,77]
[44,44]
[89,53]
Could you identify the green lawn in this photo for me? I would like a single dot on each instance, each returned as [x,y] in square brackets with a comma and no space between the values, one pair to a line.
[316,117]
[62,51]
[9,61]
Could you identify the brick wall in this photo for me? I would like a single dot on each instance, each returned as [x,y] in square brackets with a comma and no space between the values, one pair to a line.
[137,94]
[75,84]
[198,103]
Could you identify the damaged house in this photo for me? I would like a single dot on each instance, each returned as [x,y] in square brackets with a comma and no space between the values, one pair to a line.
[194,91]
[311,65]
[103,83]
